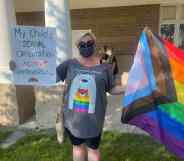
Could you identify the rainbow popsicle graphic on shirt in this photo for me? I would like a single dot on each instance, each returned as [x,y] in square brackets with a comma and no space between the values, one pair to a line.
[82,97]
[81,100]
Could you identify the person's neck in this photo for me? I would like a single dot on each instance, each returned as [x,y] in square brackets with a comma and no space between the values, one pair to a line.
[90,61]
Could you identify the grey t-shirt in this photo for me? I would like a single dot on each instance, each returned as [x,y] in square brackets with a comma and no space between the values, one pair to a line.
[85,96]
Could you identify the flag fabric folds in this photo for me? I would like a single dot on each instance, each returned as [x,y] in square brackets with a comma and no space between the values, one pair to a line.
[154,96]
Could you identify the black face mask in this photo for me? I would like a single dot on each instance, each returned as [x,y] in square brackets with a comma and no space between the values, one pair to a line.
[86,49]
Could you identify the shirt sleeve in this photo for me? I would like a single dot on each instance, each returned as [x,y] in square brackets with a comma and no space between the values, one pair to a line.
[110,83]
[61,71]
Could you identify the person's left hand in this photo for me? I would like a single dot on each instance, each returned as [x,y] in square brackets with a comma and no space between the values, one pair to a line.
[124,79]
[12,65]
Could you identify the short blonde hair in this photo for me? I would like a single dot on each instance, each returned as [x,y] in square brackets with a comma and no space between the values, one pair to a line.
[90,34]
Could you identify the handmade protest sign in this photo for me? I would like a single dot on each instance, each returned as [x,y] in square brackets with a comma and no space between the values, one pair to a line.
[34,53]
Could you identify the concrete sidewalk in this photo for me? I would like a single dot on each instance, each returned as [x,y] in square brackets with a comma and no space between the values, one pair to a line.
[113,117]
[47,114]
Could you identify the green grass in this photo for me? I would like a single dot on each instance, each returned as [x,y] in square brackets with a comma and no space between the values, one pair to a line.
[4,134]
[114,147]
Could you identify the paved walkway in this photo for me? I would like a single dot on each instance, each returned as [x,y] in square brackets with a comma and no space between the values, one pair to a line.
[113,116]
[12,139]
[112,120]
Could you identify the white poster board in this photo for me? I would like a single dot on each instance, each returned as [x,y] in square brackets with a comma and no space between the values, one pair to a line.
[34,52]
[76,35]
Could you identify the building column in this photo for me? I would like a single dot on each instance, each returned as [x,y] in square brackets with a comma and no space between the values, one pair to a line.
[8,103]
[49,100]
[57,14]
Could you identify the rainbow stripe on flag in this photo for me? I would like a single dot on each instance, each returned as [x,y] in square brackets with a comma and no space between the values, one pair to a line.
[154,97]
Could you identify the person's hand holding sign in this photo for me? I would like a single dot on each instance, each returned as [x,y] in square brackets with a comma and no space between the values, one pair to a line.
[12,65]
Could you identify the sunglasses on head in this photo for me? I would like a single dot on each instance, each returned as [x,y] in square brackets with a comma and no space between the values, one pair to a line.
[83,44]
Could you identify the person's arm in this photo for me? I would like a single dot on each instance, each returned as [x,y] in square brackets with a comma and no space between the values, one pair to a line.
[120,89]
[113,66]
[111,87]
[117,90]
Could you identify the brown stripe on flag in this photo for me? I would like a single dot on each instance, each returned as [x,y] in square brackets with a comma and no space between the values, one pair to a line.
[144,105]
[161,67]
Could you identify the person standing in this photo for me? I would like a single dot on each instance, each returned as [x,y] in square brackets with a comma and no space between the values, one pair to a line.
[87,83]
[109,57]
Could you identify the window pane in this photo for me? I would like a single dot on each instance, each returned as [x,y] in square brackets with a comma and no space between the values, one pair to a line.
[167,31]
[168,13]
[181,37]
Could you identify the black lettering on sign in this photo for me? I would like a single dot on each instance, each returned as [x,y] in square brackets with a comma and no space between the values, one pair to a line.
[19,34]
[34,44]
[34,34]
